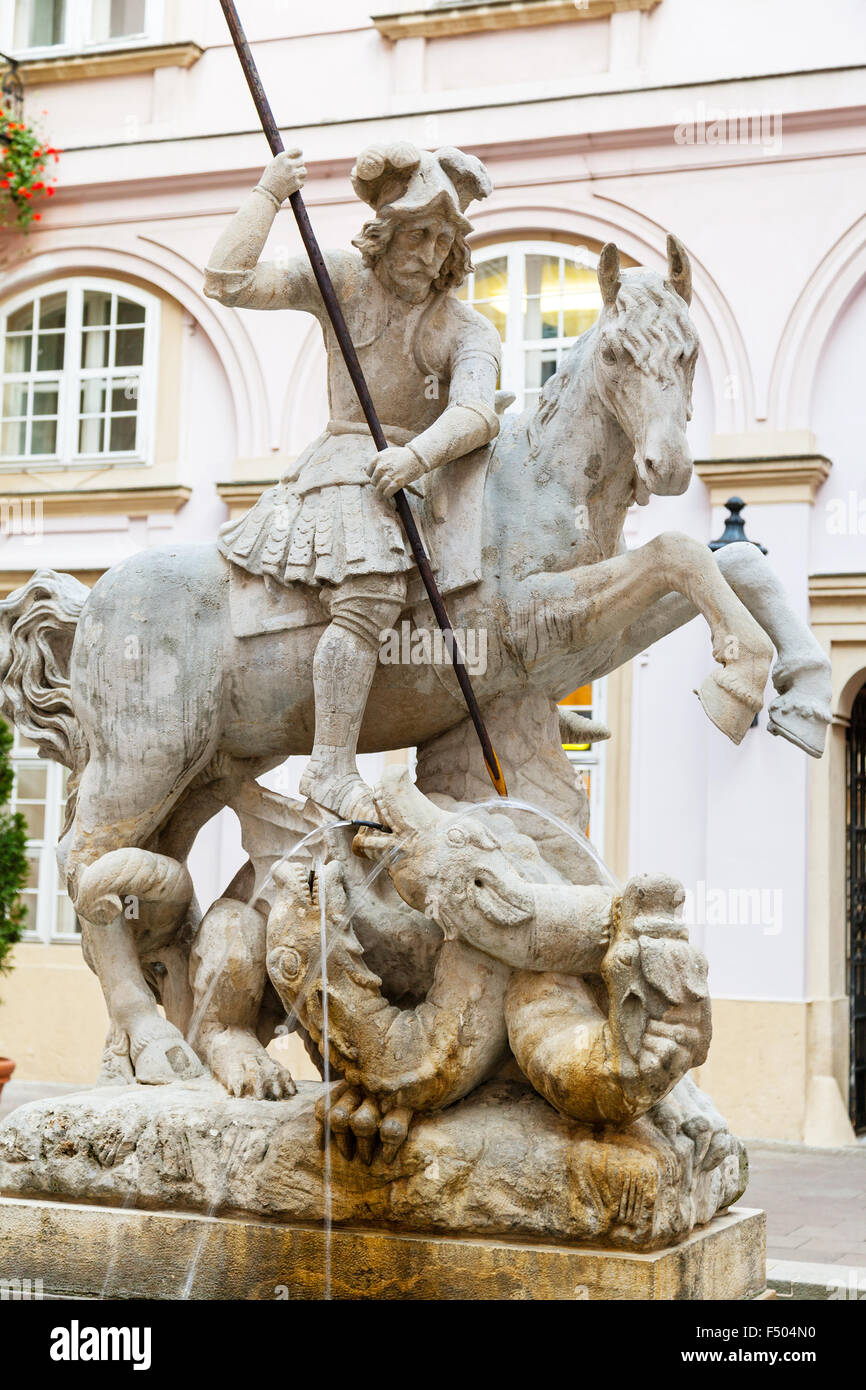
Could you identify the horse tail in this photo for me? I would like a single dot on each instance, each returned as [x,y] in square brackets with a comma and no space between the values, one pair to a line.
[37,628]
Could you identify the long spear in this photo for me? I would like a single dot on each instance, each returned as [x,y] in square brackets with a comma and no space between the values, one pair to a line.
[353,366]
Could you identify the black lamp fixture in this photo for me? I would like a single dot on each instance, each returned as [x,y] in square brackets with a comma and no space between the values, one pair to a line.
[735,527]
[735,530]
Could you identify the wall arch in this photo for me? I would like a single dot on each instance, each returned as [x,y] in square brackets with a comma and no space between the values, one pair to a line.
[821,303]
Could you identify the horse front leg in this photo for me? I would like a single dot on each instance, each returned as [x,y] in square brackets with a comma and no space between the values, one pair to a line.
[801,712]
[801,674]
[623,594]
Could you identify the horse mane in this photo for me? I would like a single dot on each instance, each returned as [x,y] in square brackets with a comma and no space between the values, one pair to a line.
[649,320]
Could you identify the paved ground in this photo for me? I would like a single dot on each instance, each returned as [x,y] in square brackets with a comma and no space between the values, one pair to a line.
[815,1199]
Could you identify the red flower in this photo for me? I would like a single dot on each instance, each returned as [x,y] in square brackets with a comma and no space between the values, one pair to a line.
[49,192]
[37,217]
[38,186]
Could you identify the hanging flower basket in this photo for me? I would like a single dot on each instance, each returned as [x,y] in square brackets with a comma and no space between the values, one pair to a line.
[24,157]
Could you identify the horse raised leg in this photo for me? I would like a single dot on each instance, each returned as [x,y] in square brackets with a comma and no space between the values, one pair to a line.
[801,675]
[604,599]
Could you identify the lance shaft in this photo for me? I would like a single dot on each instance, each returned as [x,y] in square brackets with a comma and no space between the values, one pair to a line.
[362,390]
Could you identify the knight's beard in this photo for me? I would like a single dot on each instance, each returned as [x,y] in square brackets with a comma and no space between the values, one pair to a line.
[413,288]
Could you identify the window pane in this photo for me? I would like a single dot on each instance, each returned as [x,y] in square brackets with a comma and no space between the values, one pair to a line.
[18,352]
[127,312]
[92,396]
[97,308]
[52,311]
[498,317]
[117,19]
[14,399]
[129,347]
[28,902]
[491,280]
[32,871]
[35,818]
[14,439]
[67,922]
[22,320]
[30,782]
[45,399]
[90,436]
[581,300]
[124,395]
[38,23]
[49,352]
[43,437]
[94,348]
[122,433]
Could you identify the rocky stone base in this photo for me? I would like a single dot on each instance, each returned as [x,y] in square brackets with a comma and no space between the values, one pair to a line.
[108,1252]
[502,1162]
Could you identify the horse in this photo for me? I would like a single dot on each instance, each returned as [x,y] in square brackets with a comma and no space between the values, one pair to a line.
[141,687]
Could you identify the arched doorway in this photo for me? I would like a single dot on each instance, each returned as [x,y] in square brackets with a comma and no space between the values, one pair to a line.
[857,905]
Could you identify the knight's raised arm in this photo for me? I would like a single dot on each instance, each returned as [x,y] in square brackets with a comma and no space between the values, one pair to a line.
[234,275]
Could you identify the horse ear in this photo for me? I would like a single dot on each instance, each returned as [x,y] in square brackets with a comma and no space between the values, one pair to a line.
[608,273]
[406,809]
[679,269]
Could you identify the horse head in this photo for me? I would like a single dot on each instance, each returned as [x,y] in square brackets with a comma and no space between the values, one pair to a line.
[644,358]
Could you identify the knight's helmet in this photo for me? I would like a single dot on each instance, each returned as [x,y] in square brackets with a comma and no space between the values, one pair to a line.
[401,180]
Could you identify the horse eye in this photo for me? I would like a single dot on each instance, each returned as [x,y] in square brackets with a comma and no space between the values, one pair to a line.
[609,356]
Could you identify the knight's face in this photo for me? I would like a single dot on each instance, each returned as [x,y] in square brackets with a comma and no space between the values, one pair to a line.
[416,254]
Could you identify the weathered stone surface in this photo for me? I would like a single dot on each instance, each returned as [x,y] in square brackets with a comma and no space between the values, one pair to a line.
[483,1166]
[117,1253]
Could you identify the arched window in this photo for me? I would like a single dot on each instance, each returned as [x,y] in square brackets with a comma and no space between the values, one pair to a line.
[78,365]
[541,296]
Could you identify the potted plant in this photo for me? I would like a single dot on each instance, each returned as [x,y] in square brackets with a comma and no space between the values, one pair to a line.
[14,868]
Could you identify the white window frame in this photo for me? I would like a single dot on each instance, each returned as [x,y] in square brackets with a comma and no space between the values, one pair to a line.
[66,454]
[44,850]
[78,29]
[515,346]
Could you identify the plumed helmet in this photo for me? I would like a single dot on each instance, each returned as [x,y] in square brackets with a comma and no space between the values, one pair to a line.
[406,180]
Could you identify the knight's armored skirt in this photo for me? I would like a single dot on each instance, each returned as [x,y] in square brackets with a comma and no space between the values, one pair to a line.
[322,522]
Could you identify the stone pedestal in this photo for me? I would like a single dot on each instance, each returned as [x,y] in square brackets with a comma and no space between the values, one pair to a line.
[114,1253]
[191,1193]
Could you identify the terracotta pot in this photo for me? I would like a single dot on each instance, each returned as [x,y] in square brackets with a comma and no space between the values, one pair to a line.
[7,1066]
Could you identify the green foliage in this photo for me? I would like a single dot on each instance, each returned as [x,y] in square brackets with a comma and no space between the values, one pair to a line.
[14,866]
[23,156]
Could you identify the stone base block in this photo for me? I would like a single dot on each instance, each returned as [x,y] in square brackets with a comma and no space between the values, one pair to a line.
[115,1253]
[501,1163]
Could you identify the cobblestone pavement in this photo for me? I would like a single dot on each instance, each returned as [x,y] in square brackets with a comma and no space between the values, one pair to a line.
[815,1200]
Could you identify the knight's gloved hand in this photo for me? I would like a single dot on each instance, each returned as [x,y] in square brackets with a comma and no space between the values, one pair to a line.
[284,175]
[394,468]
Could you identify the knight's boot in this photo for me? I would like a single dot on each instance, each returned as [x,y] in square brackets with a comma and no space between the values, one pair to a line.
[343,672]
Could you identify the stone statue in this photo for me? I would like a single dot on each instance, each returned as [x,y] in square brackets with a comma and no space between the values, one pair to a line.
[431,363]
[475,967]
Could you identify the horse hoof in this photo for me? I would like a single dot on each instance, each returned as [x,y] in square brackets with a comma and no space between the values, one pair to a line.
[726,710]
[805,731]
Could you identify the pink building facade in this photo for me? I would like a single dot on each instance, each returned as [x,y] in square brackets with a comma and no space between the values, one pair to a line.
[742,129]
